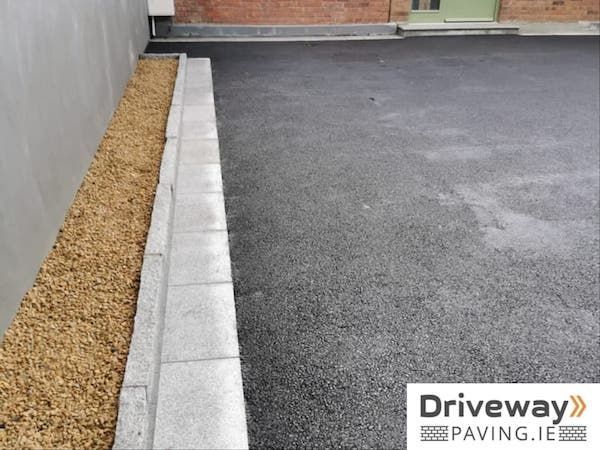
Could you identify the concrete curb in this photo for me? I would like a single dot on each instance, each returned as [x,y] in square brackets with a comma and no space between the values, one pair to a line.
[372,37]
[582,28]
[137,401]
[223,30]
[200,401]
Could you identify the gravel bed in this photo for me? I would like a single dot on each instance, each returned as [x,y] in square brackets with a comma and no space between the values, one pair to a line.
[62,359]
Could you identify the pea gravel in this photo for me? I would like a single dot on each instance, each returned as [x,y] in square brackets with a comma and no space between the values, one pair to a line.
[62,359]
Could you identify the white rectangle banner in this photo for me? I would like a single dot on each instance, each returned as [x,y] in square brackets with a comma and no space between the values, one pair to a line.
[503,416]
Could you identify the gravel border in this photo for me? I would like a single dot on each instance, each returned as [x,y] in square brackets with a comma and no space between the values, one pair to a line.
[63,357]
[137,401]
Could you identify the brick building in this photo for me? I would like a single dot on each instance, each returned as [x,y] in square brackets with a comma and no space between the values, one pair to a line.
[307,12]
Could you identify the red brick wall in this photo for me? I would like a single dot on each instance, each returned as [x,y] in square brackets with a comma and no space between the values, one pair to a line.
[303,12]
[282,11]
[549,10]
[399,10]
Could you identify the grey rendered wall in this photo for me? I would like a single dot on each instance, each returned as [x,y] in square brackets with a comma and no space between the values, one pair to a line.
[63,67]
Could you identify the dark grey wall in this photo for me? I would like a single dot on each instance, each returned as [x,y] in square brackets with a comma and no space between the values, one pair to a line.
[63,67]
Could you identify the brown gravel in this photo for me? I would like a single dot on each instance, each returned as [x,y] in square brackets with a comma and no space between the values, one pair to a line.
[62,359]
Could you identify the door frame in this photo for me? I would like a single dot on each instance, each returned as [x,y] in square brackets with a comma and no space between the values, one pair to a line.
[440,15]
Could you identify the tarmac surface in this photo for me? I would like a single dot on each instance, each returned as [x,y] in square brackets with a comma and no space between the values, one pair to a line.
[424,210]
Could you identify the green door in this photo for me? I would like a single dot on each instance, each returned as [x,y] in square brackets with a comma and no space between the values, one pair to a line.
[436,11]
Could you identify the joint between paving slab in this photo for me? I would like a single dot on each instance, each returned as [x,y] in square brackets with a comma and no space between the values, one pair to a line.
[208,230]
[207,283]
[200,192]
[215,358]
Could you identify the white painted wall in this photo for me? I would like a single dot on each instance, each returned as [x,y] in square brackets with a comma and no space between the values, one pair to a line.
[63,67]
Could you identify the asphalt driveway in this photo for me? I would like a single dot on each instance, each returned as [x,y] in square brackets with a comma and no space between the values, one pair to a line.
[424,210]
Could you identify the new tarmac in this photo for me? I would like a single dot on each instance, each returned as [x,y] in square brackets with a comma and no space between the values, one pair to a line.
[418,210]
